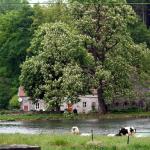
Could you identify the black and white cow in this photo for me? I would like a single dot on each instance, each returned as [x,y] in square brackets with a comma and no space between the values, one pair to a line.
[125,131]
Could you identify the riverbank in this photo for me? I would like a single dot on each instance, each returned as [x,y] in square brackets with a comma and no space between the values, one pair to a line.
[76,142]
[41,116]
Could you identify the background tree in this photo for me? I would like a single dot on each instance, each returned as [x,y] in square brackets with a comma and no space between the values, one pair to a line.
[15,35]
[8,5]
[141,7]
[50,13]
[140,33]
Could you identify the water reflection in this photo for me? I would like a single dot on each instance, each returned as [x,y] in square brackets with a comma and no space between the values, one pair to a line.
[64,126]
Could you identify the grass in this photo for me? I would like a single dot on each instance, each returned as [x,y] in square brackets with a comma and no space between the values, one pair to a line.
[15,117]
[29,116]
[76,142]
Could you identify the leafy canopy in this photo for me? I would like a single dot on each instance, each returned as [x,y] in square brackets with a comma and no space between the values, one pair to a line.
[95,50]
[54,71]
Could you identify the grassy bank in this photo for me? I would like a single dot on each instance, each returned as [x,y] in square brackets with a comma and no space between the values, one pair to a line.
[21,116]
[76,142]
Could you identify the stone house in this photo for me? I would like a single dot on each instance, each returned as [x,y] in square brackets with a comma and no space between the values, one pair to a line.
[27,105]
[87,103]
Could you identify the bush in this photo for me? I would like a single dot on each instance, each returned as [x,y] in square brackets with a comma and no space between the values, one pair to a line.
[69,115]
[14,103]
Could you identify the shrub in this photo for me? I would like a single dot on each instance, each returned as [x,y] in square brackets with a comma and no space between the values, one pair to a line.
[14,103]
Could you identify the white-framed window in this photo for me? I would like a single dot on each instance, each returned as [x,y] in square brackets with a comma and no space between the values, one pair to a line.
[37,105]
[84,104]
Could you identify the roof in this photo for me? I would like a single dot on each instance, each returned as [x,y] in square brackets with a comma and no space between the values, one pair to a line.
[21,92]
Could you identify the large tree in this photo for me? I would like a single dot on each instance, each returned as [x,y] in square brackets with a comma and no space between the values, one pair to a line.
[106,29]
[117,57]
[54,72]
[97,42]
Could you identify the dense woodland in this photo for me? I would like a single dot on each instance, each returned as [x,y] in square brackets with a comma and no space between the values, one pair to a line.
[66,49]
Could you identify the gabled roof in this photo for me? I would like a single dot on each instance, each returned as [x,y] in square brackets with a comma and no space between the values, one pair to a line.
[21,92]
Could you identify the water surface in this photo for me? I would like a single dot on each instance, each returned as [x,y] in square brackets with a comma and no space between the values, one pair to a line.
[102,127]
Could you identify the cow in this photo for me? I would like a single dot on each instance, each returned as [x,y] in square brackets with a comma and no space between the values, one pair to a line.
[128,131]
[75,130]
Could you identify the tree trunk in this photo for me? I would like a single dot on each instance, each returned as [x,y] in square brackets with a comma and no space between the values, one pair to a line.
[101,101]
[57,106]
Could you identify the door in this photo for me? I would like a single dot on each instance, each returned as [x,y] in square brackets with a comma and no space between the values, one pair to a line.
[26,108]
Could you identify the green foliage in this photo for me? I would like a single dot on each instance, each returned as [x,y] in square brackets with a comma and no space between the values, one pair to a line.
[94,50]
[140,33]
[14,45]
[69,115]
[51,13]
[117,57]
[14,103]
[83,45]
[5,93]
[15,35]
[108,34]
[54,71]
[8,5]
[18,23]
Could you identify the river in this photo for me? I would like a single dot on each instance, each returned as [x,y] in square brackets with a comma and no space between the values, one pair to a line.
[101,127]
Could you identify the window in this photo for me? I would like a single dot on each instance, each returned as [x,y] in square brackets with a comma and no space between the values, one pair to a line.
[37,105]
[84,104]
